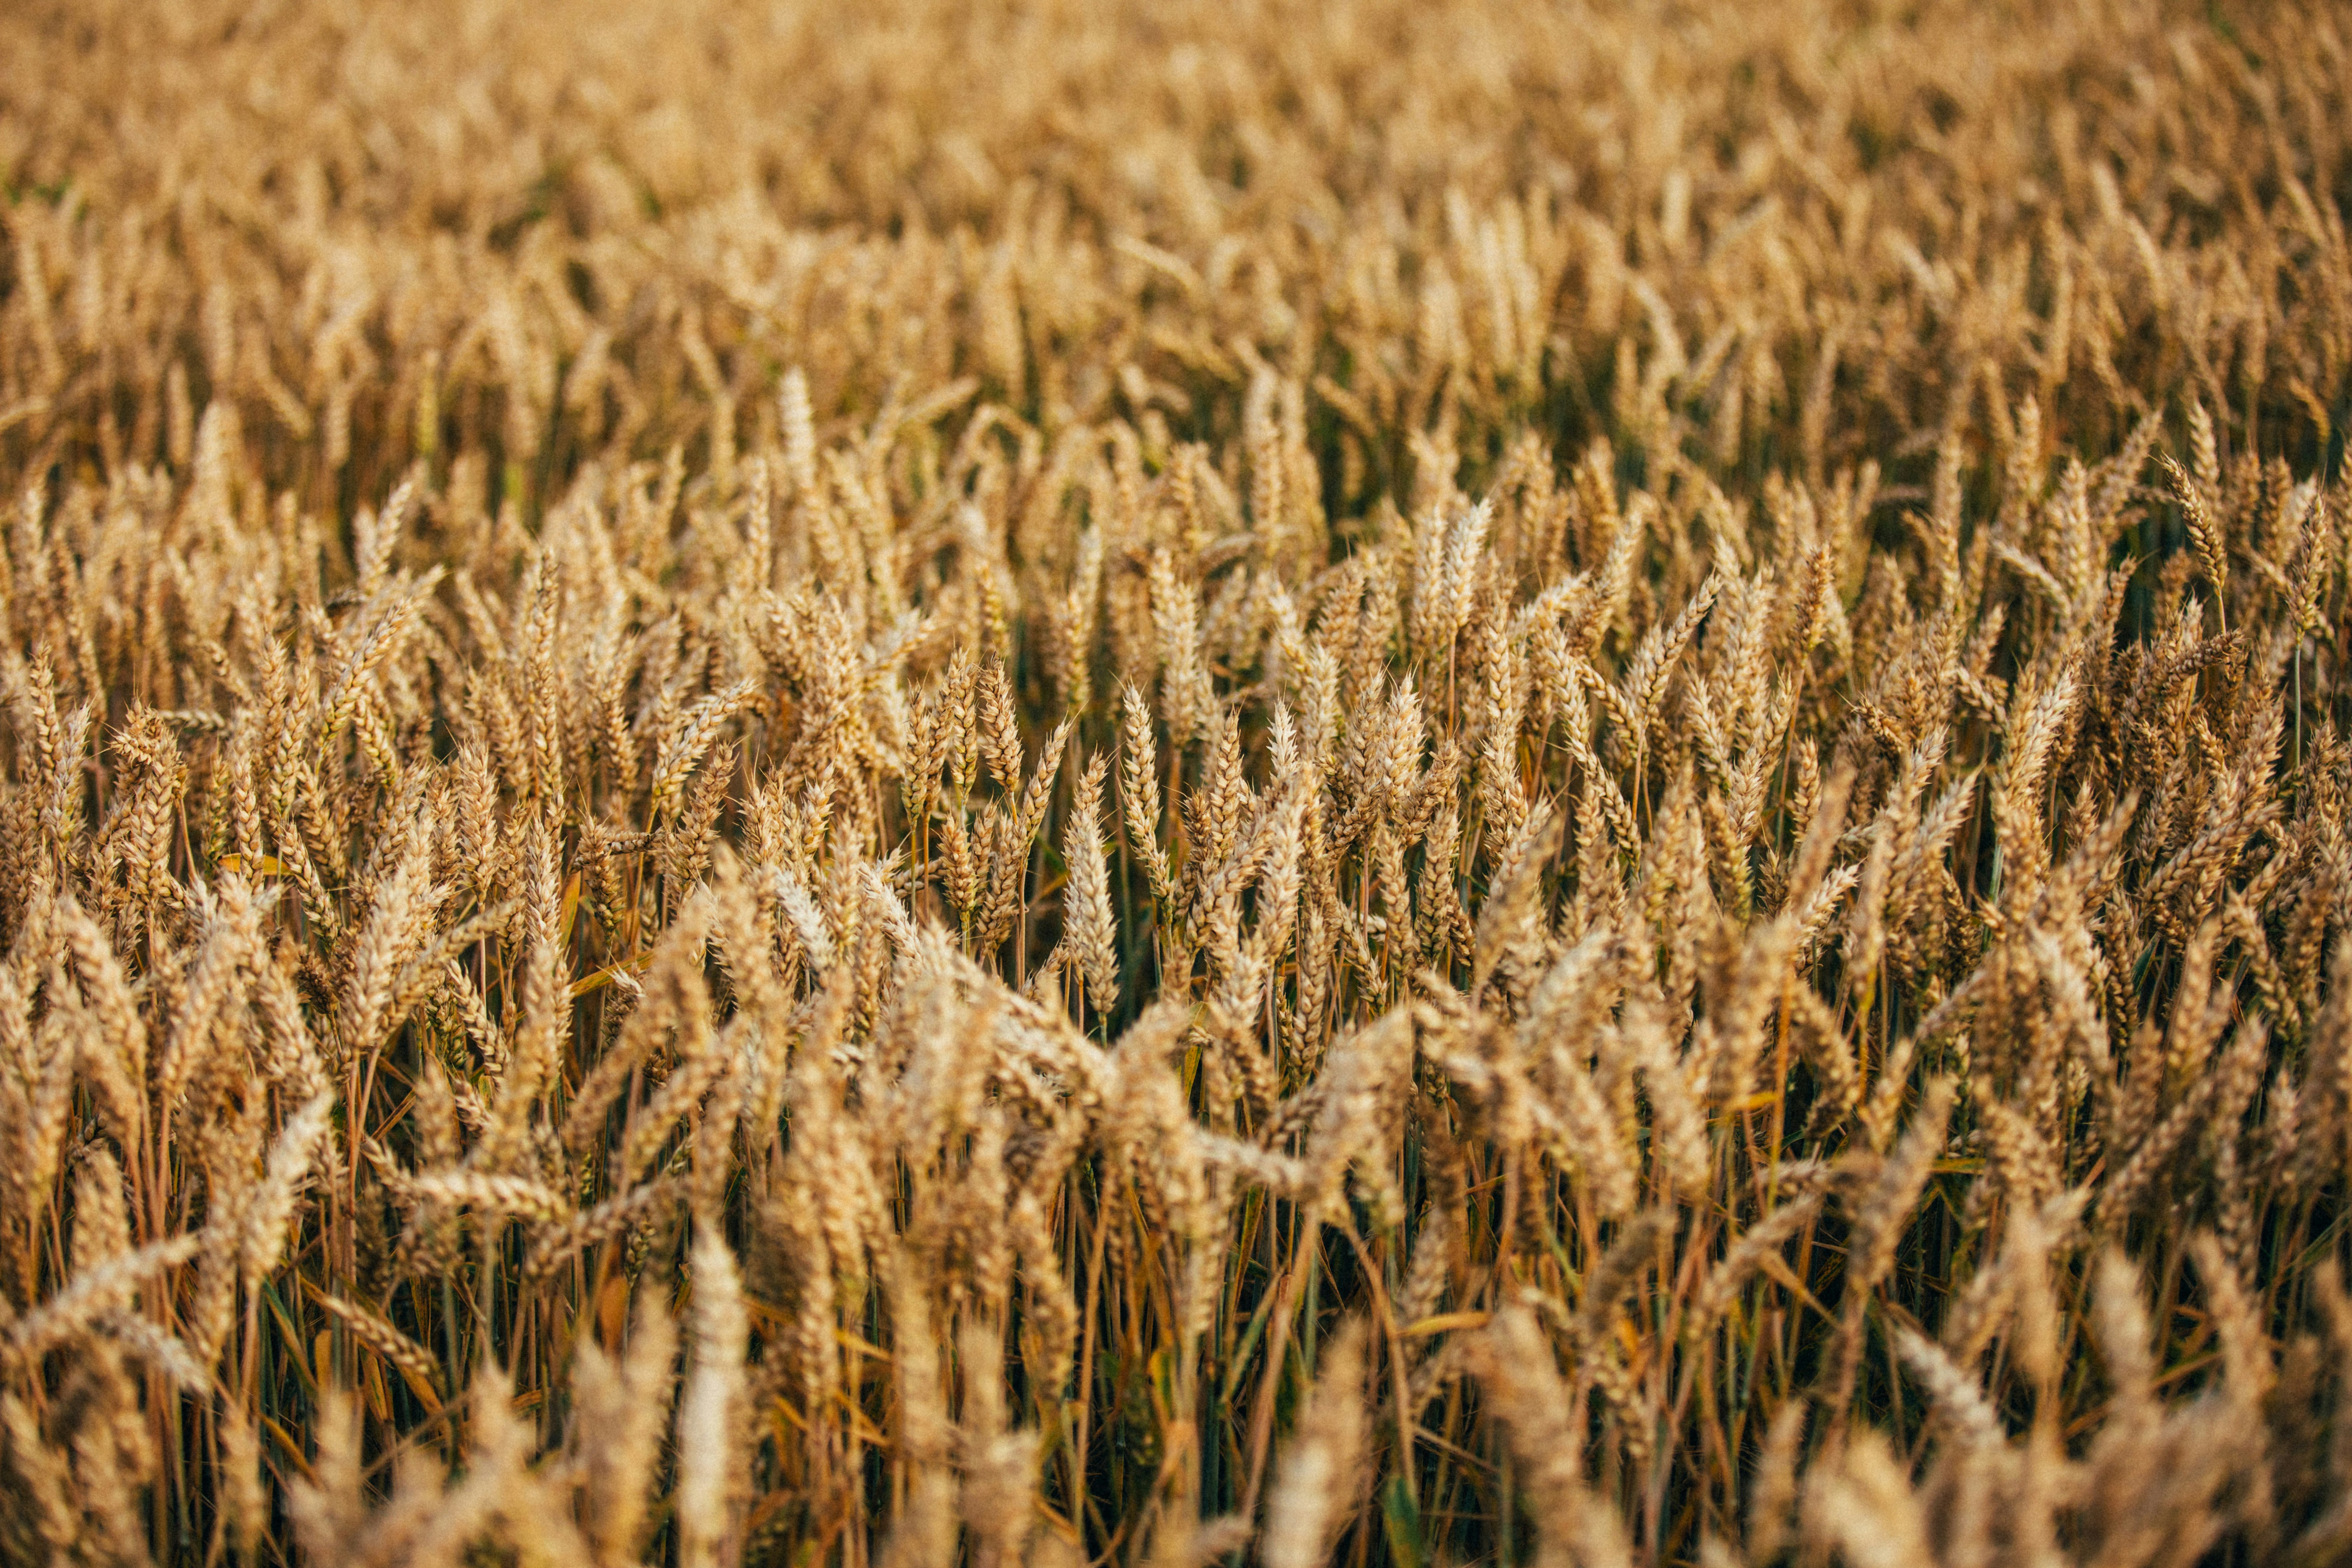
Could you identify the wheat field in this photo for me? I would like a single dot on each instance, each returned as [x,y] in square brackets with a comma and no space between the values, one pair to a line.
[1094,783]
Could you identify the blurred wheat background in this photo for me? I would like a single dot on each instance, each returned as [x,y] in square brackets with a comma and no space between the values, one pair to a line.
[1112,783]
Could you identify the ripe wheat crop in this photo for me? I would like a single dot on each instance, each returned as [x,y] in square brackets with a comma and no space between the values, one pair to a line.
[1095,784]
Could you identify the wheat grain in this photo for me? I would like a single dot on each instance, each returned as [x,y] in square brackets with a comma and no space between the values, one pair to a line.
[1730,791]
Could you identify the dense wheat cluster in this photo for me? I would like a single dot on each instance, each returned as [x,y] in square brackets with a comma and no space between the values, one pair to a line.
[1098,784]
